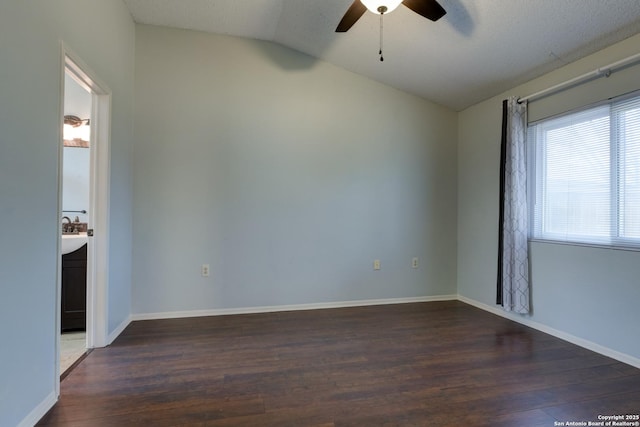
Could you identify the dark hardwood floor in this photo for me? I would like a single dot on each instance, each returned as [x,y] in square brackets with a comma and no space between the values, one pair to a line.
[426,364]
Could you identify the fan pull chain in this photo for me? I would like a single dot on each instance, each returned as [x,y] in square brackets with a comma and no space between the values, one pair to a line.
[381,36]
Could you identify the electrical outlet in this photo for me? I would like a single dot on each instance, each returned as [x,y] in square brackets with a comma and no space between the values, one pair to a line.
[414,262]
[204,270]
[376,264]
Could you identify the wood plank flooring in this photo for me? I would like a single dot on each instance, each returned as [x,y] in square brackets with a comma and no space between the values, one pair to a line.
[426,364]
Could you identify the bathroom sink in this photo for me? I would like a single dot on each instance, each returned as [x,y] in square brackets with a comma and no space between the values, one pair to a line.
[72,242]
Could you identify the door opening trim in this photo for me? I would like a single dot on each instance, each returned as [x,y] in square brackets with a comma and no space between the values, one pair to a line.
[98,247]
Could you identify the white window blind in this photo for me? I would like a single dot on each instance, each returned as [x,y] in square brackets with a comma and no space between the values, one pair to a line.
[585,175]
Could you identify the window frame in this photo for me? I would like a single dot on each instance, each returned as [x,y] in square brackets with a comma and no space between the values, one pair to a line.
[537,185]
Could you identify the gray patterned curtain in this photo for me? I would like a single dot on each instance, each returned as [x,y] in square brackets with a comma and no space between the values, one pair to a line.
[513,291]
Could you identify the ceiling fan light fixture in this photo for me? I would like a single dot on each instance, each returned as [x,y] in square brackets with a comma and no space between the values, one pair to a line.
[381,6]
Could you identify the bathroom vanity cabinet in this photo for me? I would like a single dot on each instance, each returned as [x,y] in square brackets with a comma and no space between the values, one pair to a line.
[74,290]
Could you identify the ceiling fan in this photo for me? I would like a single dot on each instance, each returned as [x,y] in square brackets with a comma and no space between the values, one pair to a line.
[430,9]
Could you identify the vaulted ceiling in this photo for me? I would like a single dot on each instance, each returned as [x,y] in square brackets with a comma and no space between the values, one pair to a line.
[478,49]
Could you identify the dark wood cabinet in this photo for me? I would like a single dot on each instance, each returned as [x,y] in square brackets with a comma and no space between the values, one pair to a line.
[74,290]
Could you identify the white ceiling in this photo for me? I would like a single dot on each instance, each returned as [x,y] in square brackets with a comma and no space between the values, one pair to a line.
[480,48]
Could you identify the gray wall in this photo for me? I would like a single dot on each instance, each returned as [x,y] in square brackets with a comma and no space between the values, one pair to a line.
[587,292]
[30,111]
[287,175]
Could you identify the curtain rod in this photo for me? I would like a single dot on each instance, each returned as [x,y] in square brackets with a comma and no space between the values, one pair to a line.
[600,72]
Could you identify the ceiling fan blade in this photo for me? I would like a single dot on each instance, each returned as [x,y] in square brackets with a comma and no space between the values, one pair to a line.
[355,11]
[430,9]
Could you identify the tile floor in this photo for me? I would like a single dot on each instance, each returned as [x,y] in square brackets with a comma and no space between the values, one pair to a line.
[72,346]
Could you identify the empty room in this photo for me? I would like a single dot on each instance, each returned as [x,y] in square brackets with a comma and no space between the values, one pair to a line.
[320,213]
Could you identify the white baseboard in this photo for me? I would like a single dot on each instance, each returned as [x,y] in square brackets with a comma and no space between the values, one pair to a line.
[589,345]
[117,331]
[296,307]
[39,411]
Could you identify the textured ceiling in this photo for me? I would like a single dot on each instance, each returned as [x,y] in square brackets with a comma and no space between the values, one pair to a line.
[477,50]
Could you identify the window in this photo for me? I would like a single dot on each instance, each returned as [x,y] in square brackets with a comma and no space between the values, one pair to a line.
[584,181]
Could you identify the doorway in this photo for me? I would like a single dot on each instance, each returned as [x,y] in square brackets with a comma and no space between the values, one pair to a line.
[76,198]
[83,190]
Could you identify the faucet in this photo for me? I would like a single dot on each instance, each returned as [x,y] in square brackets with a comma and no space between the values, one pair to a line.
[66,225]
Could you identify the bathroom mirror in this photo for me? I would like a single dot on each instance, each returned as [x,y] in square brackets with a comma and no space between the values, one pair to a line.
[76,161]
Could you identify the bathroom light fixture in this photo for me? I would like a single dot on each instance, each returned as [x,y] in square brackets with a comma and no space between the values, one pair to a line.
[76,132]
